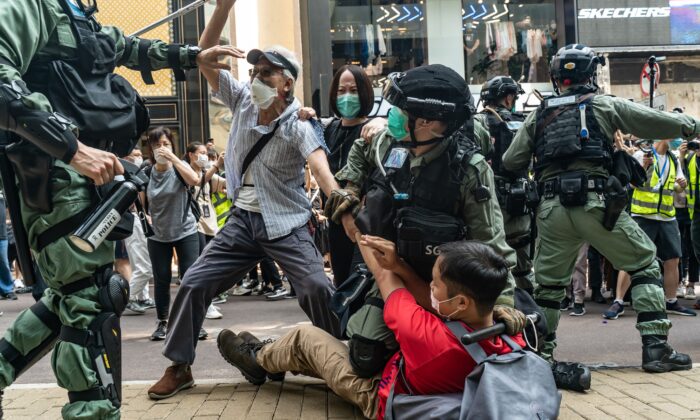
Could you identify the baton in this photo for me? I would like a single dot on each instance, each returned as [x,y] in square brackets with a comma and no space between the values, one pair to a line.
[174,15]
[496,329]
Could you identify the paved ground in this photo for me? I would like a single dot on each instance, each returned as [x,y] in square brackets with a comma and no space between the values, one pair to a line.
[615,394]
[626,393]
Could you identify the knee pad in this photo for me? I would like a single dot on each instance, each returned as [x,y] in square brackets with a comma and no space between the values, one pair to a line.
[114,294]
[102,340]
[367,356]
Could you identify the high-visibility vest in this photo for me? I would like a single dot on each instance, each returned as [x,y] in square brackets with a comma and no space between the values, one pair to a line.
[649,199]
[692,192]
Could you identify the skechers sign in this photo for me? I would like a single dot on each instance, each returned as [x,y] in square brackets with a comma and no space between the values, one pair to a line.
[638,23]
[625,12]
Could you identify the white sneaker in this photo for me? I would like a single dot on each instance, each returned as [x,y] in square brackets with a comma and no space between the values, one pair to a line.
[690,292]
[680,292]
[213,313]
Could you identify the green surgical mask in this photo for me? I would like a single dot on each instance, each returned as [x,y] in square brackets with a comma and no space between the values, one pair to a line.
[397,120]
[348,105]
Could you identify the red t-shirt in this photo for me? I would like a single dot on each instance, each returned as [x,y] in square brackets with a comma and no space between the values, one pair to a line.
[435,361]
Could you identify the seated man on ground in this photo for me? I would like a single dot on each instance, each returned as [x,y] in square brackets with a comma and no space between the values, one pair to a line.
[467,278]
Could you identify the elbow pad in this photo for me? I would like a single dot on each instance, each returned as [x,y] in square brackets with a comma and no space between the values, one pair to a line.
[50,132]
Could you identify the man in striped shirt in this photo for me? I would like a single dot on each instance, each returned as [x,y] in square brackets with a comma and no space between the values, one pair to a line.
[272,210]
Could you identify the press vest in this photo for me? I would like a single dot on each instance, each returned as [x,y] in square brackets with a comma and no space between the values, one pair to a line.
[222,207]
[558,133]
[693,179]
[654,199]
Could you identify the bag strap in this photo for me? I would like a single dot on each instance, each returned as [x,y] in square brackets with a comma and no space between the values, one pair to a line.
[259,145]
[474,349]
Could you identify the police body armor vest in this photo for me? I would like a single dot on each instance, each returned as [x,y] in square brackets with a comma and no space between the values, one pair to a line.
[430,214]
[107,110]
[558,134]
[502,129]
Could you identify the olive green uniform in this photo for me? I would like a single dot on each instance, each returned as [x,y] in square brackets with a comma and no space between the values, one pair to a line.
[562,230]
[516,227]
[39,29]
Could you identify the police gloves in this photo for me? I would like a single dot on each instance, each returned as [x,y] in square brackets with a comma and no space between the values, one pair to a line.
[342,201]
[513,318]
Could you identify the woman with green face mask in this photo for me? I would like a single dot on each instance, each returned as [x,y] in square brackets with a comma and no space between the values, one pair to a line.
[351,100]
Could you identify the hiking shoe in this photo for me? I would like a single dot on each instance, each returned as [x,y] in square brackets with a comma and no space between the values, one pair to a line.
[566,304]
[203,334]
[134,307]
[579,310]
[222,298]
[680,291]
[175,379]
[658,356]
[678,309]
[213,313]
[159,333]
[147,303]
[690,292]
[8,296]
[241,355]
[571,376]
[278,293]
[250,338]
[614,311]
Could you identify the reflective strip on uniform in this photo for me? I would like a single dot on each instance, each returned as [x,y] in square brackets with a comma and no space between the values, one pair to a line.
[652,206]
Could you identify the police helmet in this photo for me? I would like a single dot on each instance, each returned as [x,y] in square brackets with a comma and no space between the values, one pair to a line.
[499,87]
[576,63]
[433,92]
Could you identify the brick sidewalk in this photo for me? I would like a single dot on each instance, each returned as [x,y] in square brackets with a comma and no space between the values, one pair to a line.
[620,393]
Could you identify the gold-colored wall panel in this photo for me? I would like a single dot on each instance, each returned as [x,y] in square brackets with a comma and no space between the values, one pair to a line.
[130,16]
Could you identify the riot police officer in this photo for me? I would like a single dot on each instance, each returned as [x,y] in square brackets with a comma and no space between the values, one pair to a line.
[54,56]
[425,185]
[571,138]
[498,96]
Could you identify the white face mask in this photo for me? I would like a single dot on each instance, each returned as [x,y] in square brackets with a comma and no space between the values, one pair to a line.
[262,94]
[436,305]
[159,156]
[202,160]
[138,161]
[208,164]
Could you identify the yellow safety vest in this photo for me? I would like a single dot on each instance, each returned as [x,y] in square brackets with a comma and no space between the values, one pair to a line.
[692,184]
[222,207]
[649,200]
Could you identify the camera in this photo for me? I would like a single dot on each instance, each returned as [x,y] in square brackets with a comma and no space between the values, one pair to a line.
[694,145]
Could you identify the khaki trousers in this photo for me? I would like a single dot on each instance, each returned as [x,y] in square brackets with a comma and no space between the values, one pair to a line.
[313,352]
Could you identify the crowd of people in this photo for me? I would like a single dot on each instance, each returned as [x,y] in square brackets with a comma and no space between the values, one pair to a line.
[392,233]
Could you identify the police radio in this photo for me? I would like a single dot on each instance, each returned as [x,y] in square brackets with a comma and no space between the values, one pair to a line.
[95,229]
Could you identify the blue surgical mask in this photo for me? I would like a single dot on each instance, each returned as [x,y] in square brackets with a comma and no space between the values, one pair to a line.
[396,122]
[348,105]
[675,143]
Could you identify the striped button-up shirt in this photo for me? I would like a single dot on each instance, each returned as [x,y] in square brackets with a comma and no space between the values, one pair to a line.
[278,171]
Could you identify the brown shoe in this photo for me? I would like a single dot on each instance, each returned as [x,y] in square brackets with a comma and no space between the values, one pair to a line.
[175,379]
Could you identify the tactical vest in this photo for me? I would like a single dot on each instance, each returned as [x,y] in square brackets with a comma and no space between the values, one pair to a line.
[693,179]
[428,213]
[107,110]
[654,198]
[558,134]
[502,128]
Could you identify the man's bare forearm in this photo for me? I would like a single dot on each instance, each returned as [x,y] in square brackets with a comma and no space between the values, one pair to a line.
[212,31]
[318,162]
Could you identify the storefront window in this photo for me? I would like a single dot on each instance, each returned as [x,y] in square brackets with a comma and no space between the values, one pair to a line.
[379,36]
[503,37]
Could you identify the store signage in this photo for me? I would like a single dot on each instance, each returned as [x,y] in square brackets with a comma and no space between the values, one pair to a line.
[624,12]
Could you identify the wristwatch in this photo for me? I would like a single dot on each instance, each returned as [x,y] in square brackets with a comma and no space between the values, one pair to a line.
[192,53]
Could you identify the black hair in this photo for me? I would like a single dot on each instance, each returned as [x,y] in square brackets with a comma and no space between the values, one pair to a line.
[364,89]
[191,148]
[474,269]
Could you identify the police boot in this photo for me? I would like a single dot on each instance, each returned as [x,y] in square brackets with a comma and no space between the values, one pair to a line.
[1,391]
[572,376]
[658,356]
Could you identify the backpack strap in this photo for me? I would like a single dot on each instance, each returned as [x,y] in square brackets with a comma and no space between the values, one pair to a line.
[474,349]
